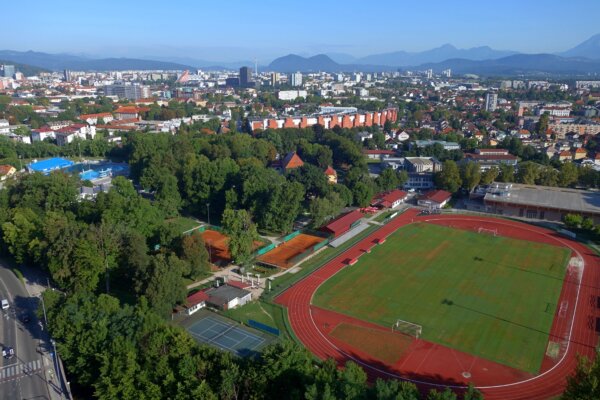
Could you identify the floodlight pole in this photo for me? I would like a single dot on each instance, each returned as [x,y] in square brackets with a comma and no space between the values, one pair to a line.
[208,212]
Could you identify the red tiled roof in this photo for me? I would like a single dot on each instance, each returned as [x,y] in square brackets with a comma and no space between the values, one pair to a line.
[83,117]
[393,196]
[330,171]
[197,298]
[379,152]
[342,224]
[292,160]
[436,196]
[5,169]
[238,284]
[131,110]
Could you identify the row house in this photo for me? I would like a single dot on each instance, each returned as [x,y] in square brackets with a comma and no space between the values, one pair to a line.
[347,120]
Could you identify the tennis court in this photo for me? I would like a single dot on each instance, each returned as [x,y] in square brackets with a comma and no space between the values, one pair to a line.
[225,335]
[285,255]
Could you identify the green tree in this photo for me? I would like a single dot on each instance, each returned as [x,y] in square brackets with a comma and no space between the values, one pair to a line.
[388,179]
[507,173]
[527,173]
[192,249]
[489,175]
[165,286]
[584,383]
[568,174]
[449,177]
[241,231]
[470,175]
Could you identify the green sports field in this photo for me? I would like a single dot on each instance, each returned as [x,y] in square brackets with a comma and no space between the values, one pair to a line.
[492,297]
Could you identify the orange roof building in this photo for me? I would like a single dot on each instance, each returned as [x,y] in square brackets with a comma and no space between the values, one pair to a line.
[291,161]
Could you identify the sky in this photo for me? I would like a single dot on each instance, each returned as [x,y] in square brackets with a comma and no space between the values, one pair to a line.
[234,30]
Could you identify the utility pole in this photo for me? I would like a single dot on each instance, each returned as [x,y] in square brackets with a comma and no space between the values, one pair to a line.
[208,212]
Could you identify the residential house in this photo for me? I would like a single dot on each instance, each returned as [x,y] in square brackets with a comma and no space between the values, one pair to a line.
[6,171]
[92,119]
[331,175]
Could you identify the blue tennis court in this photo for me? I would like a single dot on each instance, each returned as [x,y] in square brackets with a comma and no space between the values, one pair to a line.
[225,335]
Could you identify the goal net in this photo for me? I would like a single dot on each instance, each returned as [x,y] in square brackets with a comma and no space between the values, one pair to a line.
[408,328]
[493,232]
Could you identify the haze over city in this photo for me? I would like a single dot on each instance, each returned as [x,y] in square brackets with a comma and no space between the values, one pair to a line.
[234,30]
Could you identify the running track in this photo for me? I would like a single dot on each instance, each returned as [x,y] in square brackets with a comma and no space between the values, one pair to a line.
[437,360]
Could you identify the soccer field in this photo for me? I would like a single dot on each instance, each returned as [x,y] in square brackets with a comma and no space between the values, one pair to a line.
[493,297]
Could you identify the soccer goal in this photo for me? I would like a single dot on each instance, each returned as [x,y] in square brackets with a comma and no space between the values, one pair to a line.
[493,232]
[407,328]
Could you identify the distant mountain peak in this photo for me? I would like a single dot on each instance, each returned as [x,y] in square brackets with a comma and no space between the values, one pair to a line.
[589,48]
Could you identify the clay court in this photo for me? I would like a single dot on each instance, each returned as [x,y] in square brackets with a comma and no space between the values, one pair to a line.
[284,255]
[216,244]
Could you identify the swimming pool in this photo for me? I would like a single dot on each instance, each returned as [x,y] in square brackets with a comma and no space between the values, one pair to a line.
[99,170]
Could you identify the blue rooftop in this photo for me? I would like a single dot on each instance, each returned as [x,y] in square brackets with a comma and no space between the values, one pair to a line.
[46,166]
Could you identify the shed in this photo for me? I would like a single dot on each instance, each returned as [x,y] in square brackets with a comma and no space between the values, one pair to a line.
[343,224]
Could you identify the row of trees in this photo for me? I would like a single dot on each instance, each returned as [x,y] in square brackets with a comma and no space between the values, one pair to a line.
[468,175]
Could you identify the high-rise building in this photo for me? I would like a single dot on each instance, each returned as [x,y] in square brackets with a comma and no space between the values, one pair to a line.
[9,71]
[274,78]
[67,75]
[429,73]
[245,77]
[491,101]
[130,92]
[296,79]
[447,73]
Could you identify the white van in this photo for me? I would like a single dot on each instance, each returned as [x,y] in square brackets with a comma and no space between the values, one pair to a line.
[5,304]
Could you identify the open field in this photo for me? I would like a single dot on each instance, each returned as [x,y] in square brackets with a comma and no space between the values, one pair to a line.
[493,297]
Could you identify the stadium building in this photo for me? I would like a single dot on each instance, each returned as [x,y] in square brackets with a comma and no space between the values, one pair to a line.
[541,202]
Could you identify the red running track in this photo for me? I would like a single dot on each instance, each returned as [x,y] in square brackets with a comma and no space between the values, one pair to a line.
[432,365]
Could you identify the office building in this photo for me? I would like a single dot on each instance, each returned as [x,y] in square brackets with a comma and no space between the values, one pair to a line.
[274,78]
[245,77]
[8,71]
[130,92]
[491,101]
[296,79]
[67,75]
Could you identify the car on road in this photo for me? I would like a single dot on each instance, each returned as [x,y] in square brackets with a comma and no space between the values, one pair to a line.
[8,352]
[5,304]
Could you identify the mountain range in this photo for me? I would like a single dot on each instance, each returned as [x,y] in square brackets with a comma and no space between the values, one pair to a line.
[58,62]
[581,59]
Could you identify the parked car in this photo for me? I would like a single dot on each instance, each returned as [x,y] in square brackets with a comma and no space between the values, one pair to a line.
[5,304]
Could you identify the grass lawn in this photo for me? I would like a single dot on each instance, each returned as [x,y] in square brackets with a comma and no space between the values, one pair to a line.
[493,297]
[266,313]
[183,224]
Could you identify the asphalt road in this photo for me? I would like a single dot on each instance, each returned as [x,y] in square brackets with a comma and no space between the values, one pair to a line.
[22,377]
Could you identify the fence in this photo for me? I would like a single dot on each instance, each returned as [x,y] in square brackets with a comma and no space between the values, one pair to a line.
[263,327]
[265,249]
[291,236]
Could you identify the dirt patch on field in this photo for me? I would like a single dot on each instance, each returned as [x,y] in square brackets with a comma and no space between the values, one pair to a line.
[381,345]
[439,249]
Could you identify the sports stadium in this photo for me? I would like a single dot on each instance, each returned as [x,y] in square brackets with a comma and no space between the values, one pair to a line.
[450,300]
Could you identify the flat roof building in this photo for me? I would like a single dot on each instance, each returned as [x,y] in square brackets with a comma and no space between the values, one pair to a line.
[541,202]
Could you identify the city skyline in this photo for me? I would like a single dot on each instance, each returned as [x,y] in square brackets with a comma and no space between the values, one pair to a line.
[235,30]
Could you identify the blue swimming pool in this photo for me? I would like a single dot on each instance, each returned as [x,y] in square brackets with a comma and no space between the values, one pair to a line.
[99,170]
